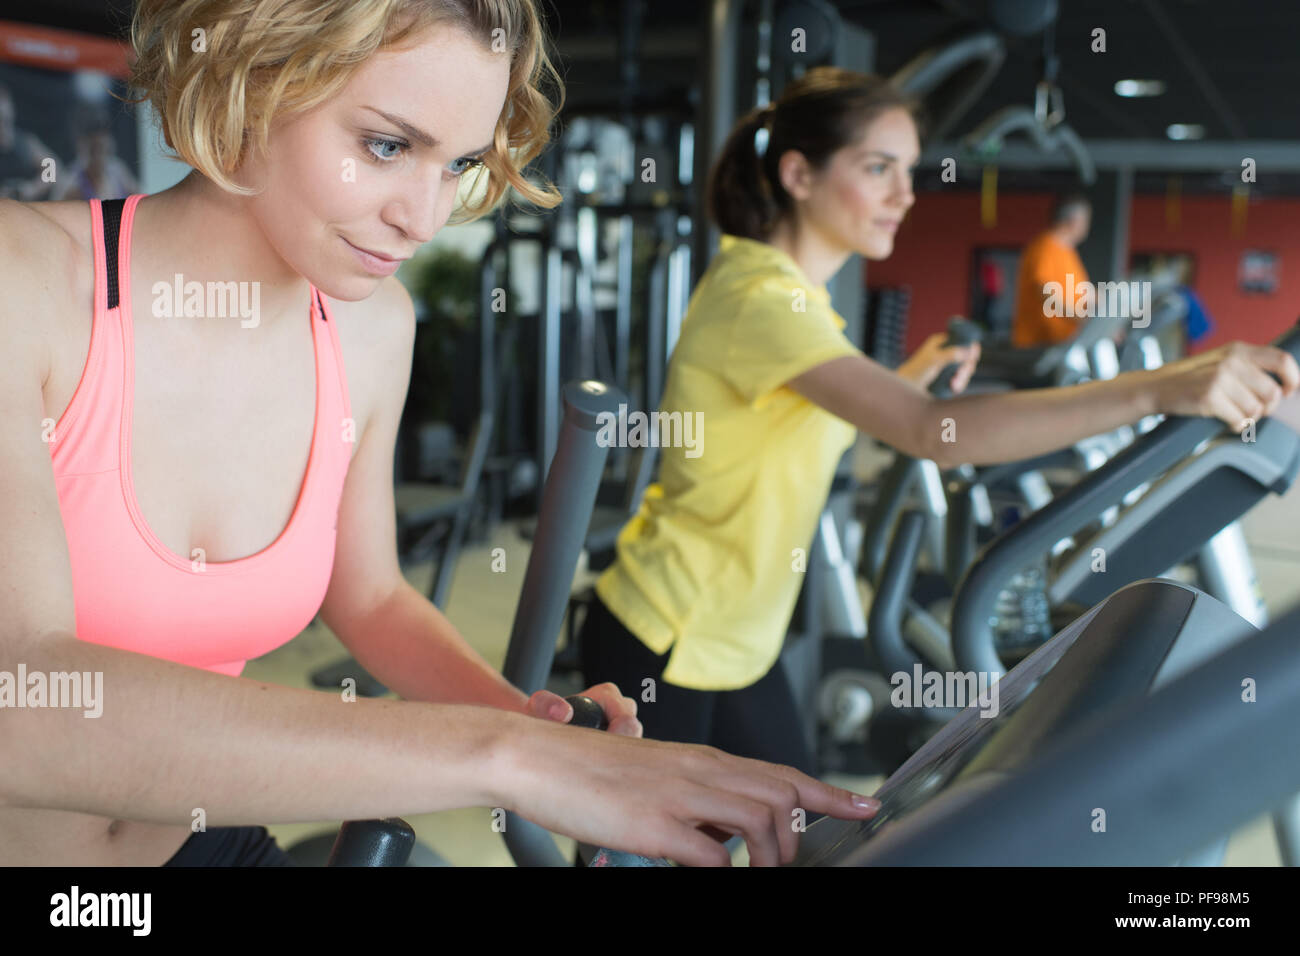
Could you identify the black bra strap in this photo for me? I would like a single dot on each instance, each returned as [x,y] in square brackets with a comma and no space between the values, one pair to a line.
[112,214]
[112,210]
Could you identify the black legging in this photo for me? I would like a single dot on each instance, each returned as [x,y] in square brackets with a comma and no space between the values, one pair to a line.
[760,721]
[231,846]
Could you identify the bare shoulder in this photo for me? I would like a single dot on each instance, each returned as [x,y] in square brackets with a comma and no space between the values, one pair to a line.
[377,335]
[42,241]
[46,267]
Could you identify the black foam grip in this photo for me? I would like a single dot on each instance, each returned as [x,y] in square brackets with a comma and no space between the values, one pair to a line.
[587,713]
[960,332]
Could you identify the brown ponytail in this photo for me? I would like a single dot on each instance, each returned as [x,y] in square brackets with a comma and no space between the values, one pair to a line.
[823,111]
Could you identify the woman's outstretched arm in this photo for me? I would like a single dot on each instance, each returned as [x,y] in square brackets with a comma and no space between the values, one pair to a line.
[1232,383]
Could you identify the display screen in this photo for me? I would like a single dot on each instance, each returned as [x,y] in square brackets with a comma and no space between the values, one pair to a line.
[932,768]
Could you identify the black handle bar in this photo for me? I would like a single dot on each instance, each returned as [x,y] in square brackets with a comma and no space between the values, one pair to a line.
[1146,459]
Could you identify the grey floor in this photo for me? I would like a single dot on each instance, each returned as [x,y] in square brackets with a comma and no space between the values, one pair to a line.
[482,605]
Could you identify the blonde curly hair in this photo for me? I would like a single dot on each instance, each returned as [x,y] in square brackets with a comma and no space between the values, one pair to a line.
[261,58]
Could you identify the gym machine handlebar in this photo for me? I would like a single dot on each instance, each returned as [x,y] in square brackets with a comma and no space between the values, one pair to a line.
[1144,460]
[568,499]
[889,607]
[900,476]
[389,842]
[960,332]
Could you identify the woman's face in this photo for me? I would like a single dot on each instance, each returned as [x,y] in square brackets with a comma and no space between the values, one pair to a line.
[355,186]
[858,201]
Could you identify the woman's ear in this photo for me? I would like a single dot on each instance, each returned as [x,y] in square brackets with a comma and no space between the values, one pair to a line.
[795,174]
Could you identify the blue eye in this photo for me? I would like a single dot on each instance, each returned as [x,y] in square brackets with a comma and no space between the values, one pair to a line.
[384,157]
[469,164]
[879,168]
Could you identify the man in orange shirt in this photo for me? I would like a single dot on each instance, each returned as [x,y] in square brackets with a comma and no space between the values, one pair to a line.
[1051,258]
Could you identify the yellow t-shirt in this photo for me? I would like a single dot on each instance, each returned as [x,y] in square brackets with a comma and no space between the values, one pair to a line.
[710,566]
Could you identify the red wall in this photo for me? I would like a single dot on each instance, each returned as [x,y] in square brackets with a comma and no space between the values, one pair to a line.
[936,243]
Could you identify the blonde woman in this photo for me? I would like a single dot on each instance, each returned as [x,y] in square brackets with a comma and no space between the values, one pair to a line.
[182,487]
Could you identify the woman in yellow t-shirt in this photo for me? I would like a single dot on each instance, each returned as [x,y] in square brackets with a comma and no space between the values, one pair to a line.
[764,393]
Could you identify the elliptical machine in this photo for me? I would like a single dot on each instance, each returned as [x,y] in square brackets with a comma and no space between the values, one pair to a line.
[1194,479]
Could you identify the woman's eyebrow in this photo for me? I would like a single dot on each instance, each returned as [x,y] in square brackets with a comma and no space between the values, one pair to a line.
[417,134]
[888,157]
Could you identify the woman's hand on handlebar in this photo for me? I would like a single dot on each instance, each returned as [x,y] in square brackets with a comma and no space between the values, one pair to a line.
[924,365]
[1231,383]
[620,711]
[664,799]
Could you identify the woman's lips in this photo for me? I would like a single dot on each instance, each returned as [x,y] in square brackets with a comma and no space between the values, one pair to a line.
[374,262]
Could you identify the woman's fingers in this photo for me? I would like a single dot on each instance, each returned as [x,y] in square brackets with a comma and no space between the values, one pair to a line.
[1231,402]
[732,812]
[782,797]
[620,711]
[664,799]
[1268,371]
[548,706]
[963,357]
[1280,363]
[967,369]
[789,798]
[1240,390]
[1234,383]
[693,847]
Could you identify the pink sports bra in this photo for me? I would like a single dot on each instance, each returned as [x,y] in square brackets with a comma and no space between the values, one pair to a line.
[130,591]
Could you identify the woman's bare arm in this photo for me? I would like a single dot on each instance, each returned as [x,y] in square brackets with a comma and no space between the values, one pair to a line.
[1231,383]
[172,739]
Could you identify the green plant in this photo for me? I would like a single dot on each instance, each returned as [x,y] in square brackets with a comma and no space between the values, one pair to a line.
[446,286]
